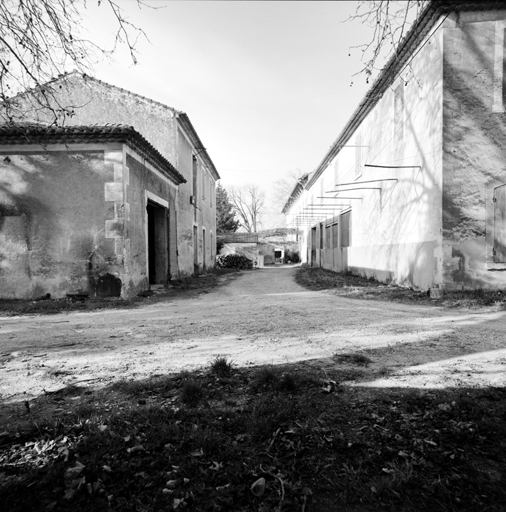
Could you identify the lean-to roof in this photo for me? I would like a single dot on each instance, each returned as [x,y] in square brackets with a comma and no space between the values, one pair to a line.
[43,135]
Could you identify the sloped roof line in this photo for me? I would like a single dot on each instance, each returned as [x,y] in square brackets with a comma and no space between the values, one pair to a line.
[425,22]
[107,84]
[296,192]
[43,134]
[179,113]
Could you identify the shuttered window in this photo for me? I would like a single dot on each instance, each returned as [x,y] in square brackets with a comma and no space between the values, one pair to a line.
[346,229]
[335,235]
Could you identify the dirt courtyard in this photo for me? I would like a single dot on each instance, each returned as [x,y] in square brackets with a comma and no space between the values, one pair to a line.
[254,318]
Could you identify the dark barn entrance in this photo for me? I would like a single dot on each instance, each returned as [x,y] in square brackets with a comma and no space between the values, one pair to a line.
[157,243]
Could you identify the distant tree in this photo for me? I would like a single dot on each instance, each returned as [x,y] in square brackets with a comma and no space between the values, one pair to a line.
[249,205]
[225,214]
[283,187]
[44,39]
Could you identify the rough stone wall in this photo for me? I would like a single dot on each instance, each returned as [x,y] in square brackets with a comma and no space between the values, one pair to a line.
[99,103]
[56,223]
[474,147]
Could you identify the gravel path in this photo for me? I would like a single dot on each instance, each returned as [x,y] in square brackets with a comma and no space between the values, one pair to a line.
[259,317]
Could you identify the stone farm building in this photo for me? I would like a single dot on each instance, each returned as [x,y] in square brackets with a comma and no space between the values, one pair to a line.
[120,198]
[413,191]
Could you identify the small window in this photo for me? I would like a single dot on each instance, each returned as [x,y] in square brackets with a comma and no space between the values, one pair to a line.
[321,236]
[328,237]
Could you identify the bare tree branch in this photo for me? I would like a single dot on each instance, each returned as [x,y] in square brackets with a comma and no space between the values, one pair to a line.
[390,20]
[40,40]
[249,203]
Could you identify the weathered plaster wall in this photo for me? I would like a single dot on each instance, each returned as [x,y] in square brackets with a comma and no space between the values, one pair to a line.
[395,225]
[474,146]
[207,218]
[94,102]
[99,103]
[54,223]
[200,214]
[187,212]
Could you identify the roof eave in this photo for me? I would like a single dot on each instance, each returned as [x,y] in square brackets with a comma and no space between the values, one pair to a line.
[186,124]
[426,21]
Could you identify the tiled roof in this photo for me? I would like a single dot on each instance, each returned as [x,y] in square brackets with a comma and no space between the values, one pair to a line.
[425,22]
[38,133]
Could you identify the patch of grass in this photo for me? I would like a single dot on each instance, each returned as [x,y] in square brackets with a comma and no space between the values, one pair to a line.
[265,377]
[192,392]
[158,384]
[385,371]
[221,367]
[287,382]
[354,286]
[317,449]
[183,375]
[269,413]
[354,358]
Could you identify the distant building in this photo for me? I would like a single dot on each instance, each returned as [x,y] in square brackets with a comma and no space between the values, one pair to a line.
[264,247]
[180,217]
[413,191]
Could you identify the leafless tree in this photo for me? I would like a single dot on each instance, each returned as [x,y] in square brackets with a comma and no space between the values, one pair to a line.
[249,204]
[43,39]
[390,21]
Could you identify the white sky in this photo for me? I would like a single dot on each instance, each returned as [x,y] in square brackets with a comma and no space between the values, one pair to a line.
[265,84]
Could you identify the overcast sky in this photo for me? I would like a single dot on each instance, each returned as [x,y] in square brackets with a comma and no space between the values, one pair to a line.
[266,84]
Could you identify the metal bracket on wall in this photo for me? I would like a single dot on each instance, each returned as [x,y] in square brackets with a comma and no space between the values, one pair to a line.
[360,183]
[394,166]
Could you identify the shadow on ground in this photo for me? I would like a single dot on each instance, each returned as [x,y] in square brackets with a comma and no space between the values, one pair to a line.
[186,288]
[284,438]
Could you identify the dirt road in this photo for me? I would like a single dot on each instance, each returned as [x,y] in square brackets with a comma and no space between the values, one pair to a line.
[258,317]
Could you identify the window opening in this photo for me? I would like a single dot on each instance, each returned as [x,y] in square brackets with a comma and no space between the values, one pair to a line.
[157,243]
[346,229]
[195,177]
